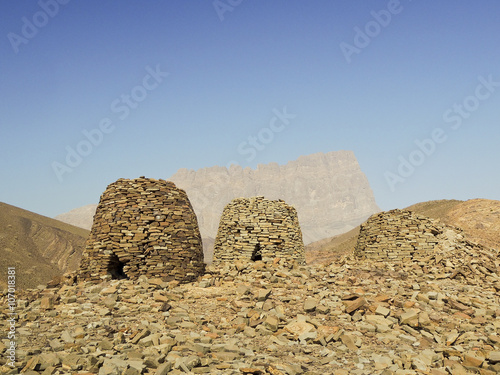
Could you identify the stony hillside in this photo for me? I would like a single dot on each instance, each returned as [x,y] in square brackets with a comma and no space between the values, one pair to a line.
[436,312]
[479,218]
[331,249]
[435,209]
[39,247]
[436,316]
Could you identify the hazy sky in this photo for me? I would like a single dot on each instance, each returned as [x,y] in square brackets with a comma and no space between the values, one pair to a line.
[92,91]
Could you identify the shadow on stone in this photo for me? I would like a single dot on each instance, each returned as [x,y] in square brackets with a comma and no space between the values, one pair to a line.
[115,268]
[257,254]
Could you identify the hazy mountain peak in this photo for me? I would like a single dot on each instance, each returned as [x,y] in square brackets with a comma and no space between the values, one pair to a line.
[80,217]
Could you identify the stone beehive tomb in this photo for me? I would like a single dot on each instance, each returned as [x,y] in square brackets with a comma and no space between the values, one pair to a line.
[253,229]
[143,227]
[397,235]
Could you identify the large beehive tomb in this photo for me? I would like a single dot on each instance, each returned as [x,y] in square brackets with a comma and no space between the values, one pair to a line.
[143,227]
[255,228]
[397,235]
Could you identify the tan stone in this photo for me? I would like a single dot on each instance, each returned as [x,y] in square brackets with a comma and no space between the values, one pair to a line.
[356,304]
[472,359]
[298,328]
[348,341]
[47,303]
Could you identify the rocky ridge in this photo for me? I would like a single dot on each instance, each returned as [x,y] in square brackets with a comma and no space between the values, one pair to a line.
[434,315]
[478,220]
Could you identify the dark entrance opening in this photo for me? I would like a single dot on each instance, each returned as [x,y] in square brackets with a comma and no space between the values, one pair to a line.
[115,268]
[256,255]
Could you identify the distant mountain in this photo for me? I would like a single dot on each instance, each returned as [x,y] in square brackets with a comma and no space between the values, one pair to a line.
[79,217]
[39,247]
[330,192]
[479,218]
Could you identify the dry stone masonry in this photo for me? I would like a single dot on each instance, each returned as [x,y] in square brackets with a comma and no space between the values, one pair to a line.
[143,227]
[255,228]
[401,235]
[396,235]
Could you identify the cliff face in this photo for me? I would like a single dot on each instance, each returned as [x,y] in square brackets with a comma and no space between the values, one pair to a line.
[329,191]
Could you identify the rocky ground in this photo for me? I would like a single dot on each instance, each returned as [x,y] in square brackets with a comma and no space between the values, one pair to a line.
[438,315]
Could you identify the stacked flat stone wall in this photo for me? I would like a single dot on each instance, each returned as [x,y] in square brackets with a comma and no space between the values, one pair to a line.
[397,235]
[143,227]
[255,228]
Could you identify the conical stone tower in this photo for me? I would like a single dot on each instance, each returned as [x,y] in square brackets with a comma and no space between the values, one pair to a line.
[143,227]
[397,235]
[255,228]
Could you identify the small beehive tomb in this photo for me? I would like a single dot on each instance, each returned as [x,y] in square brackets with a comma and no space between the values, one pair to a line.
[255,228]
[143,227]
[397,235]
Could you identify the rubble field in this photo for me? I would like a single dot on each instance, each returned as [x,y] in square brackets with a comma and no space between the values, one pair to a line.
[434,315]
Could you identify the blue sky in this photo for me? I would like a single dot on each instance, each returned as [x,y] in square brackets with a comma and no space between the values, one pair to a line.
[159,86]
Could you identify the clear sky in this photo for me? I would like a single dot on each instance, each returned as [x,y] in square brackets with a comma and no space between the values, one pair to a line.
[92,91]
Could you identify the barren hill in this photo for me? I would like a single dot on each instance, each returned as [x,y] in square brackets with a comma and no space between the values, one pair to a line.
[431,314]
[479,218]
[39,247]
